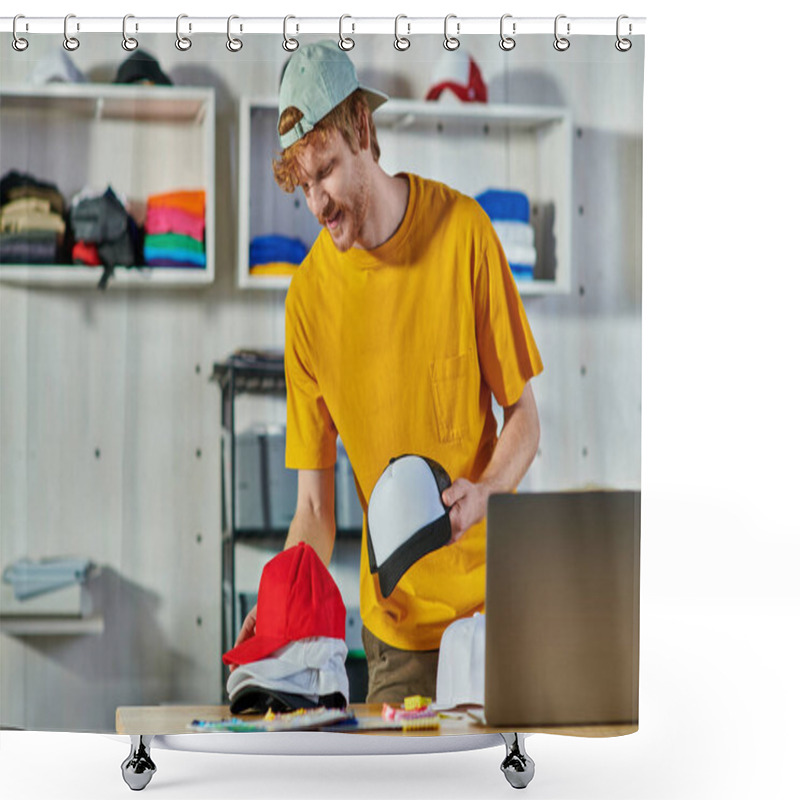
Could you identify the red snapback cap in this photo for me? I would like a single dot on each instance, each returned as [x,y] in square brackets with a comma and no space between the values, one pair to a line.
[297,598]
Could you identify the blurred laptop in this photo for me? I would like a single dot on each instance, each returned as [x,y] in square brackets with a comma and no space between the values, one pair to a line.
[562,609]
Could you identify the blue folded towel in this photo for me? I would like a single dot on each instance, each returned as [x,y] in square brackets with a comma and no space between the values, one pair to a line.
[30,578]
[505,204]
[173,254]
[269,249]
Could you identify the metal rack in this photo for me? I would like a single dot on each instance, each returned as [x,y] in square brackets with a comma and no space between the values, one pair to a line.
[254,372]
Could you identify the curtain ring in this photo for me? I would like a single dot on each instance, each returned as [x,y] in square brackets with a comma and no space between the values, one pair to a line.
[561,43]
[183,43]
[623,45]
[18,43]
[507,42]
[345,42]
[233,44]
[70,42]
[401,42]
[289,44]
[128,42]
[451,42]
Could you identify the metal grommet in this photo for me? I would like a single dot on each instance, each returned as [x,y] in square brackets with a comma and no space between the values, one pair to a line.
[401,42]
[128,42]
[345,42]
[70,42]
[233,44]
[623,45]
[451,42]
[561,43]
[18,43]
[183,43]
[289,44]
[507,42]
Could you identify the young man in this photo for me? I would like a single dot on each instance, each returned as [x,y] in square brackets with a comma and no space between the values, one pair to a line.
[401,323]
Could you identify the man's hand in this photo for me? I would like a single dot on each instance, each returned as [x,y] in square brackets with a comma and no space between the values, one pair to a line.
[248,629]
[467,502]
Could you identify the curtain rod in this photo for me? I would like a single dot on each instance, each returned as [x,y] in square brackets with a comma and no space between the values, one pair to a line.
[407,26]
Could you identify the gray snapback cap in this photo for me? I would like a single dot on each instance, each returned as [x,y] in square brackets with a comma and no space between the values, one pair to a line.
[406,518]
[316,79]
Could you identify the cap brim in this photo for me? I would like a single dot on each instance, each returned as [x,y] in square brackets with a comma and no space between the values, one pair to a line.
[260,700]
[253,649]
[374,97]
[424,541]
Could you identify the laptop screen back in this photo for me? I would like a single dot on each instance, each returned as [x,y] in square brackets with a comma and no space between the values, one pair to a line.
[562,609]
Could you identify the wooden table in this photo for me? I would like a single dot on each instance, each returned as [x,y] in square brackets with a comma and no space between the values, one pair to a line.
[169,720]
[169,725]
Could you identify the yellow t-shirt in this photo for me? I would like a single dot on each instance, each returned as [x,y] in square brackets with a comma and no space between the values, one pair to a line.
[398,349]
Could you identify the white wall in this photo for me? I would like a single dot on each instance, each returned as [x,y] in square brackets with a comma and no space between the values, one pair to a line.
[110,427]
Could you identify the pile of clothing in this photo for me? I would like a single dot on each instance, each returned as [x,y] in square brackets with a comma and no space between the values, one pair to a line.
[32,224]
[510,213]
[174,229]
[105,234]
[276,255]
[296,657]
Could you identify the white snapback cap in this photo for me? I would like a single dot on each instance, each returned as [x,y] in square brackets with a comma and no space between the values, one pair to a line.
[461,671]
[406,518]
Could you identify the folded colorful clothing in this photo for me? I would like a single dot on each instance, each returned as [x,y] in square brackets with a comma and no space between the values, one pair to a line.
[505,204]
[16,185]
[173,241]
[277,248]
[192,201]
[274,268]
[163,219]
[30,578]
[25,205]
[172,264]
[176,255]
[514,232]
[32,247]
[520,255]
[32,221]
[524,271]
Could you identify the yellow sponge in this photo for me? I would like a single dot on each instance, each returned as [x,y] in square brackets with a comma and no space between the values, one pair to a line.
[415,702]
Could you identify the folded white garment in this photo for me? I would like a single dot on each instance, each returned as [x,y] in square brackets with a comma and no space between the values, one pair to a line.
[514,233]
[311,667]
[520,255]
[461,673]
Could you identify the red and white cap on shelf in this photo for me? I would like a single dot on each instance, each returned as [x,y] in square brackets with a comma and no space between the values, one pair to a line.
[458,72]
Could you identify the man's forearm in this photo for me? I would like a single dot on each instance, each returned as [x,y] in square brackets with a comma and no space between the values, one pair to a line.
[516,446]
[314,519]
[314,530]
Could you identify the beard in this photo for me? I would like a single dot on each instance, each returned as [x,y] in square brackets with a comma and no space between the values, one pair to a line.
[352,212]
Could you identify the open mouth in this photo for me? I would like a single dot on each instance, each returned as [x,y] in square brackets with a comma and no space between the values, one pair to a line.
[333,222]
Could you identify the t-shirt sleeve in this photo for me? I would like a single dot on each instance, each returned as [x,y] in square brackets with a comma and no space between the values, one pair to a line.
[310,431]
[507,351]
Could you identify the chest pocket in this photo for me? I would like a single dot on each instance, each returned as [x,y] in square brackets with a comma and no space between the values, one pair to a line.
[451,396]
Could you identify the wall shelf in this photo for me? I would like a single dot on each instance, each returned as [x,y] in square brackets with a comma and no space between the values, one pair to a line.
[470,146]
[72,135]
[52,626]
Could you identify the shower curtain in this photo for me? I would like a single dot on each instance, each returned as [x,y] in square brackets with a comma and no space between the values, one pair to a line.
[146,256]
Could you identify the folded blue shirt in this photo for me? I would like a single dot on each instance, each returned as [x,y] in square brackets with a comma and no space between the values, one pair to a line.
[268,249]
[173,254]
[505,204]
[30,578]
